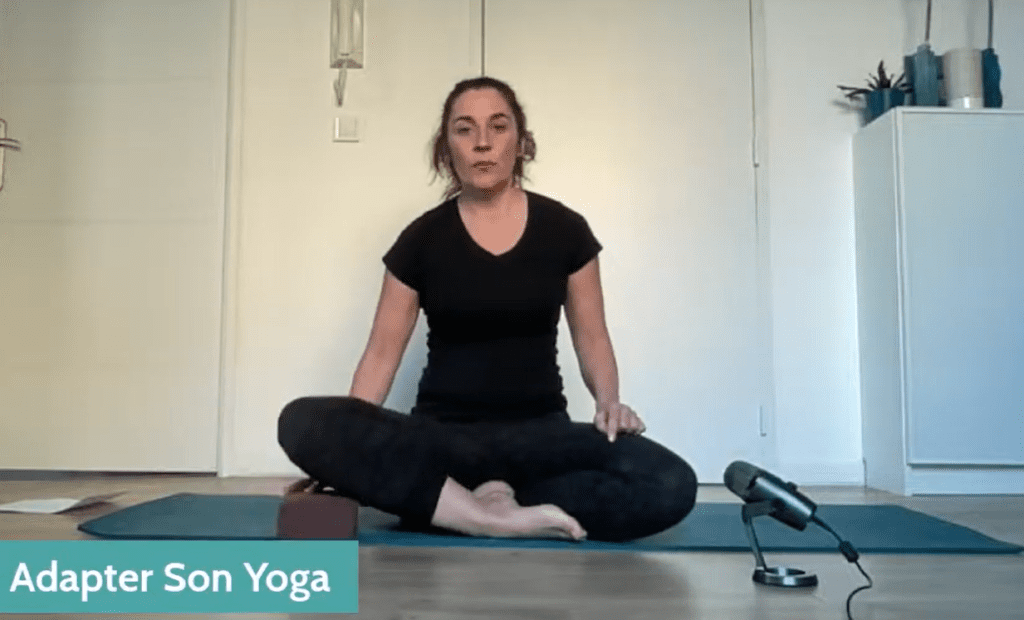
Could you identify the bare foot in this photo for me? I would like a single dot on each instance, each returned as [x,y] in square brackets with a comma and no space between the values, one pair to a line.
[491,510]
[515,521]
[544,521]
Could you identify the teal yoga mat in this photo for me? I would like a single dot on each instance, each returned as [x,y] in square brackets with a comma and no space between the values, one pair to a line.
[709,527]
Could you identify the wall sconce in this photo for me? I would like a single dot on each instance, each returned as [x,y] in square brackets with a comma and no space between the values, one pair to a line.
[5,143]
[346,41]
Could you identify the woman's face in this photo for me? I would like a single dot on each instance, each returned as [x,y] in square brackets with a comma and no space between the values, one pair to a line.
[482,138]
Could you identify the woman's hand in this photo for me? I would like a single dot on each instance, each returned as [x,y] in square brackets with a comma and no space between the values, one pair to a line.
[614,417]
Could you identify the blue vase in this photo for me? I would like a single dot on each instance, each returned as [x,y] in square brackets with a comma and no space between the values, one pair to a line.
[924,75]
[879,101]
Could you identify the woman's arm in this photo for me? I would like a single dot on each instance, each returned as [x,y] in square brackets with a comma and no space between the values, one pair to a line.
[584,312]
[393,325]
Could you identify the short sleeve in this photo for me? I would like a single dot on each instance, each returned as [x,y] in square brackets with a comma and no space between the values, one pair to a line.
[403,259]
[584,245]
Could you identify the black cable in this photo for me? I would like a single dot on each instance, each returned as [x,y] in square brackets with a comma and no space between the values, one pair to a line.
[928,24]
[850,554]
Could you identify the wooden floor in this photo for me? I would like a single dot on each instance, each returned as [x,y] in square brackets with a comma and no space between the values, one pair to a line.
[460,584]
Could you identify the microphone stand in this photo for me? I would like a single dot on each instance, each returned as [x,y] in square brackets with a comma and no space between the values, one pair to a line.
[775,575]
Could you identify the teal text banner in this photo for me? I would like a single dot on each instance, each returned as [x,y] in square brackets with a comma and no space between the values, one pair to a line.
[179,576]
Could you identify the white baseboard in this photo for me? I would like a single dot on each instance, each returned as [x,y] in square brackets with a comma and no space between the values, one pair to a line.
[264,468]
[844,473]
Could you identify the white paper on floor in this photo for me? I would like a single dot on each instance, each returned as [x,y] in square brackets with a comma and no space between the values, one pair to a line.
[56,505]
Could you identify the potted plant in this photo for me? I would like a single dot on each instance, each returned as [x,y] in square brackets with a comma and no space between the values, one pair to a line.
[881,94]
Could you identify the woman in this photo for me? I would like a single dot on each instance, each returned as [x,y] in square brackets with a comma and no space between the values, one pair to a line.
[489,449]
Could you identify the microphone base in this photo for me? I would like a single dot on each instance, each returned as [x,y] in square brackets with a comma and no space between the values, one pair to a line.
[772,575]
[785,577]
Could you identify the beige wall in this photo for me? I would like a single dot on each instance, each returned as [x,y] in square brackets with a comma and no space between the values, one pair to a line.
[810,48]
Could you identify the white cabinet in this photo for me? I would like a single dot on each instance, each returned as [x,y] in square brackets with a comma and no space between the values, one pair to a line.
[940,277]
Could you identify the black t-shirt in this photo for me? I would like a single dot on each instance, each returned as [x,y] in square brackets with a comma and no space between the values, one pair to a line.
[493,320]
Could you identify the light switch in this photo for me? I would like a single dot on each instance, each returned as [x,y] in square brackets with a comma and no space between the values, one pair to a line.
[346,129]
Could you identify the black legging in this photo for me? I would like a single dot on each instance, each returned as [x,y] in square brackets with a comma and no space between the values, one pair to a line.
[398,463]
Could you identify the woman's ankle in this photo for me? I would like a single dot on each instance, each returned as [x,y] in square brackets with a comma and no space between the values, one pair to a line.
[458,509]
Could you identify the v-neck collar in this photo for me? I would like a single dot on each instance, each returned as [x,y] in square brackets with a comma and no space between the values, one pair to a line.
[479,248]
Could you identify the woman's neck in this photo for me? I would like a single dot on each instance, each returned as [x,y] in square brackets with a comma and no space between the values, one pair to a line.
[499,206]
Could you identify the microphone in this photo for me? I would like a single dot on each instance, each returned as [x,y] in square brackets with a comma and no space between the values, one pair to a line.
[766,494]
[754,484]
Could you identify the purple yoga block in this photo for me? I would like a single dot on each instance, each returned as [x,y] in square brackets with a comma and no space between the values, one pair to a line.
[311,512]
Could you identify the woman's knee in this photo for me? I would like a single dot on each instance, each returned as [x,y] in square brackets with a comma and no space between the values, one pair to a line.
[293,424]
[302,422]
[679,483]
[670,481]
[302,419]
[673,480]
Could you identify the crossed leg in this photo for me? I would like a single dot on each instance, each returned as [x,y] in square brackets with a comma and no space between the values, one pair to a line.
[622,490]
[424,470]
